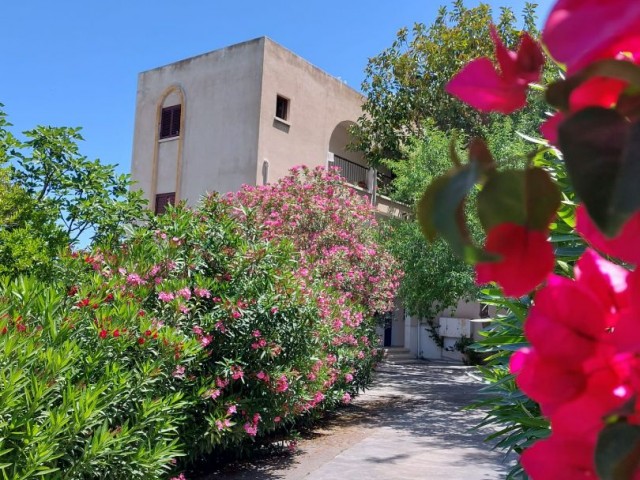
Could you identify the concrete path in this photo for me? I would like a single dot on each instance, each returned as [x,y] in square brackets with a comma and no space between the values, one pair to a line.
[409,425]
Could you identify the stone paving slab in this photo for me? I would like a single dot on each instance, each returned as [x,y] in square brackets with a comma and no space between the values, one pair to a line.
[409,425]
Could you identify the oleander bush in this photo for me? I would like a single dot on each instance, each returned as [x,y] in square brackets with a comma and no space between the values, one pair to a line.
[200,334]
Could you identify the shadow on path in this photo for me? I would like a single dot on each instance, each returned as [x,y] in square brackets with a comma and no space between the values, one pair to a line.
[409,425]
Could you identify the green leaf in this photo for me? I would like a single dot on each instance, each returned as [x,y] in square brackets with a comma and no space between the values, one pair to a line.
[440,211]
[626,195]
[426,206]
[524,197]
[618,451]
[596,144]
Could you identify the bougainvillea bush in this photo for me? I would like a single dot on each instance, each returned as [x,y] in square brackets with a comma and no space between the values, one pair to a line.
[198,335]
[582,362]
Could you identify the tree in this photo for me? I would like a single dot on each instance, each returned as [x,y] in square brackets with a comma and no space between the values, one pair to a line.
[404,84]
[51,196]
[89,195]
[29,237]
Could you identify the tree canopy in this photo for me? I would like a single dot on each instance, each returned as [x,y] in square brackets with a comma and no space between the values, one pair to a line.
[52,196]
[404,84]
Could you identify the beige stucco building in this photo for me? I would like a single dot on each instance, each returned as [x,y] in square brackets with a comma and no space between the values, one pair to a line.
[246,114]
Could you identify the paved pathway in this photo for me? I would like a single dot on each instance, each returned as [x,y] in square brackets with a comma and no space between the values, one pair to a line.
[409,425]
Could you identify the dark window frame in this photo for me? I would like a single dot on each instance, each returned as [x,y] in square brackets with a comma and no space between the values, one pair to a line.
[282,107]
[162,200]
[170,121]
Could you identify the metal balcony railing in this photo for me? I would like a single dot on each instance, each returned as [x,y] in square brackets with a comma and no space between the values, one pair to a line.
[352,172]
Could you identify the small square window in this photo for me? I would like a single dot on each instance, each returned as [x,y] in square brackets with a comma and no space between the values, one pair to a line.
[163,200]
[170,122]
[282,107]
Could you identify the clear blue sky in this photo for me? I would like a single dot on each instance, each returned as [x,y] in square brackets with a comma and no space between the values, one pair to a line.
[75,62]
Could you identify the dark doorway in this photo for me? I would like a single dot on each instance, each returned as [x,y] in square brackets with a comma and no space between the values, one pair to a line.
[387,329]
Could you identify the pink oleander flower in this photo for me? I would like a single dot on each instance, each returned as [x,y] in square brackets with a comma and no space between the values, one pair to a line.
[251,429]
[202,292]
[134,279]
[348,378]
[282,384]
[480,85]
[213,394]
[184,293]
[237,373]
[346,398]
[527,258]
[165,296]
[178,372]
[231,410]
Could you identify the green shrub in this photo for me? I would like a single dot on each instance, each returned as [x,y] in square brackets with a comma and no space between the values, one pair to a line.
[197,335]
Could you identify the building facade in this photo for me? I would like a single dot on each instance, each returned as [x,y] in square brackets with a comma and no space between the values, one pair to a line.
[247,114]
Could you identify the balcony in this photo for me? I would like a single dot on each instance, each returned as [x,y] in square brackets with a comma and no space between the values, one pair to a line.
[372,184]
[353,173]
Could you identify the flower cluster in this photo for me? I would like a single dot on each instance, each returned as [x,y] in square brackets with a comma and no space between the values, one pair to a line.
[198,313]
[332,227]
[583,365]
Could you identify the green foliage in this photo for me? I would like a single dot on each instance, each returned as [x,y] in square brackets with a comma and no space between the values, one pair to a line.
[51,196]
[30,239]
[516,419]
[405,83]
[195,335]
[71,408]
[88,196]
[434,277]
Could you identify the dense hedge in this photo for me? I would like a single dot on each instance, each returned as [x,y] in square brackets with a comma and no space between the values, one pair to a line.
[199,334]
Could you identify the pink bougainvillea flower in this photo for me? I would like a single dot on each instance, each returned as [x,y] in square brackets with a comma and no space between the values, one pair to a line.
[603,279]
[625,246]
[480,85]
[597,92]
[561,383]
[571,39]
[565,314]
[549,128]
[527,258]
[557,457]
